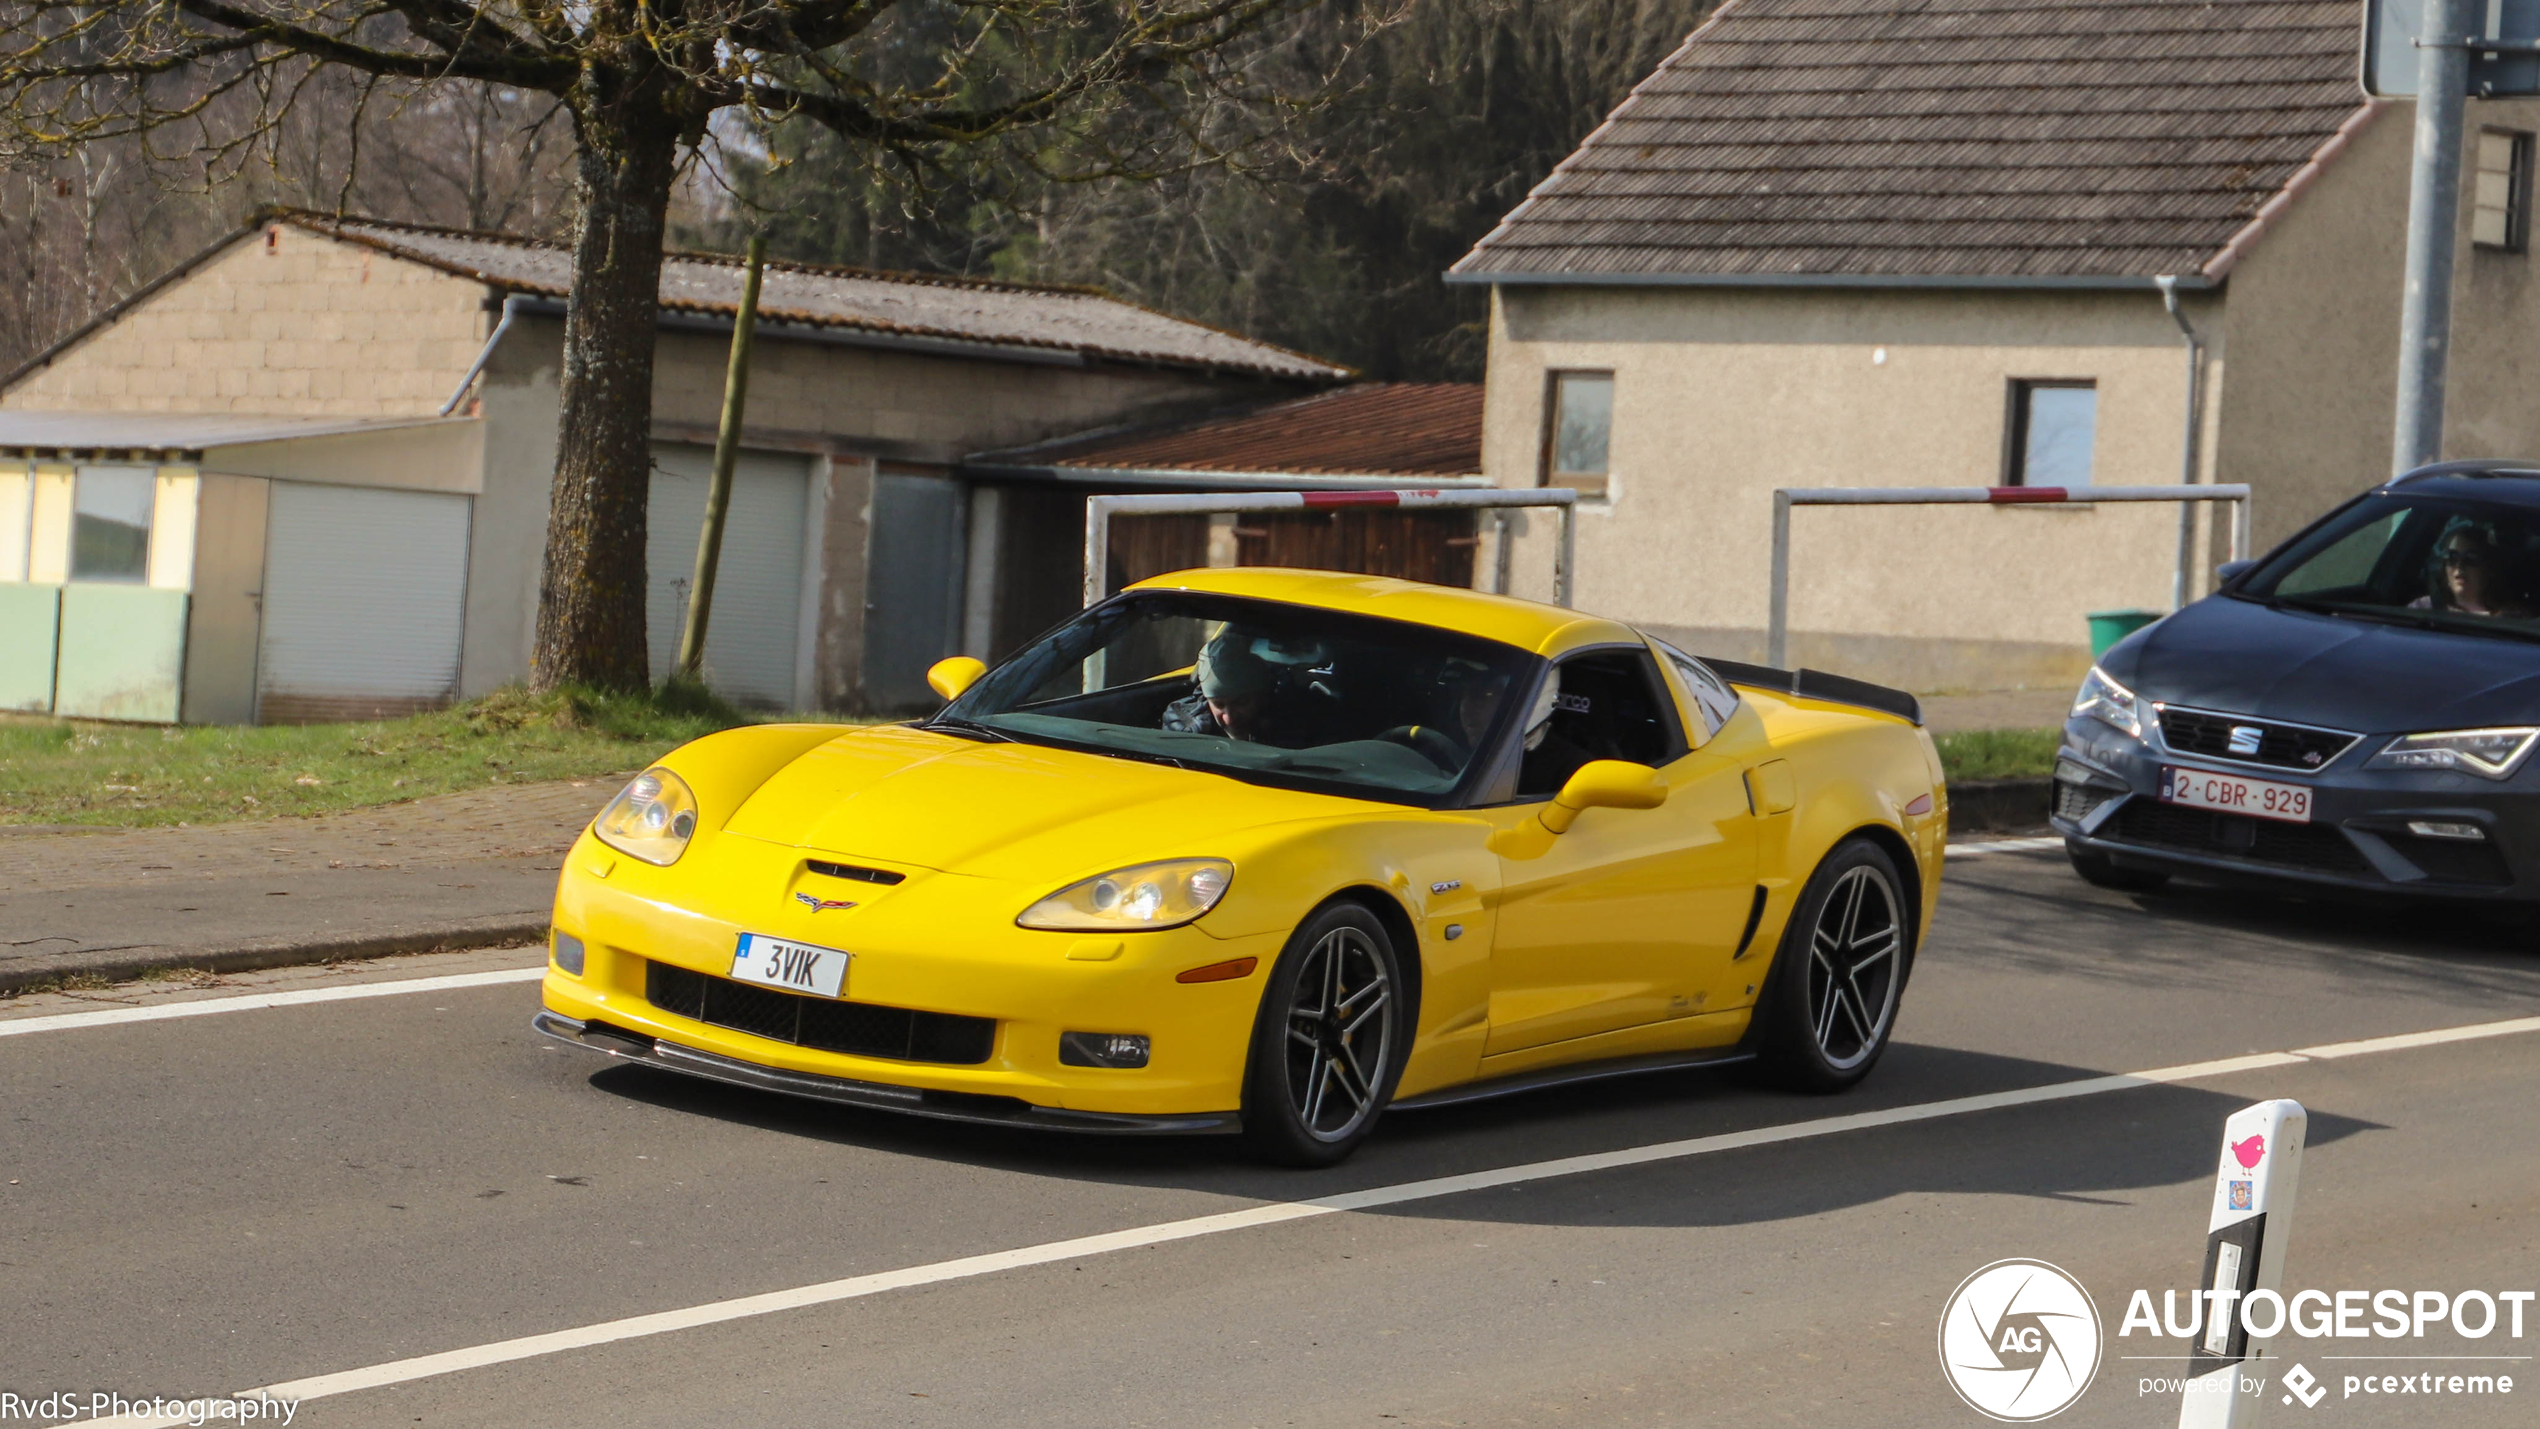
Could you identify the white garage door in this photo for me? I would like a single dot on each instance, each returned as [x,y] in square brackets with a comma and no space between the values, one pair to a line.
[751,635]
[365,599]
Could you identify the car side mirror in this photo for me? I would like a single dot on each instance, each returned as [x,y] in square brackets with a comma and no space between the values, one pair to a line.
[1604,784]
[2230,571]
[952,676]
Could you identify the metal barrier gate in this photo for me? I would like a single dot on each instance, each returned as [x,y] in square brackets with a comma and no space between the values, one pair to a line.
[1777,629]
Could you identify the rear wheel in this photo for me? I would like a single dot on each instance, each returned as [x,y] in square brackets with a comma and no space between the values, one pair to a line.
[1328,1044]
[1840,972]
[2100,871]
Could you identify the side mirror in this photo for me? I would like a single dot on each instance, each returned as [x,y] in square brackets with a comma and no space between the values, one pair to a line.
[2230,571]
[950,677]
[1604,784]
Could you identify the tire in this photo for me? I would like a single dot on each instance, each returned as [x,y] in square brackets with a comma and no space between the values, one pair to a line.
[1840,973]
[2100,871]
[1329,1042]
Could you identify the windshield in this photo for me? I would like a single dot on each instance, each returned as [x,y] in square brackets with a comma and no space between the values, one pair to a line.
[1274,693]
[2444,564]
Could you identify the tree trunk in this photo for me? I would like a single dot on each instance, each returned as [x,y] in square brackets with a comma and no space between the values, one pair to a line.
[591,597]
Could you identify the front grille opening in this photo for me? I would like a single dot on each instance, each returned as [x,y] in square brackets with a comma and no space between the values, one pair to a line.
[2076,802]
[2454,860]
[858,872]
[2316,848]
[860,1029]
[2208,736]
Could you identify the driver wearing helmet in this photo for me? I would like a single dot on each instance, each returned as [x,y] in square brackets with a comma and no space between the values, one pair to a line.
[1236,689]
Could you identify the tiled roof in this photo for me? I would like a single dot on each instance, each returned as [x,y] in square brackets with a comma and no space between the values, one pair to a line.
[1932,139]
[903,305]
[1374,429]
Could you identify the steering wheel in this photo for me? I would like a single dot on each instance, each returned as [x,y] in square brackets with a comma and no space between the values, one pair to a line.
[1428,743]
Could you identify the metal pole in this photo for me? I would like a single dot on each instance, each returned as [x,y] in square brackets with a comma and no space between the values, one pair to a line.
[1777,624]
[2240,528]
[2189,465]
[1566,559]
[1097,549]
[727,452]
[2434,196]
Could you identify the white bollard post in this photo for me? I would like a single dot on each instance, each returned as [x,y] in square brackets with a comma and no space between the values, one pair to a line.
[2252,1221]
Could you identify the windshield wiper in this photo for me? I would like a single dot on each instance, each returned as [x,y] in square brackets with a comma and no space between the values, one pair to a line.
[968,729]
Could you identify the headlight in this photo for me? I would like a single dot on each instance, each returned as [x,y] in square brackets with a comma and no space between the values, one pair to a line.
[650,819]
[2487,753]
[2108,702]
[1141,897]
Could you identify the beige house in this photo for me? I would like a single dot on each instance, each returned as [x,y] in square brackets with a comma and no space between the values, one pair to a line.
[1917,245]
[306,473]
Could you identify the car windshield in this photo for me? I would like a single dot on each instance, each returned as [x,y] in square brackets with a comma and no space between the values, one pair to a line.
[1261,690]
[2441,563]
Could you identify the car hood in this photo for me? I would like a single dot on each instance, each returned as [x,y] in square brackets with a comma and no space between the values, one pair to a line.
[2242,657]
[899,795]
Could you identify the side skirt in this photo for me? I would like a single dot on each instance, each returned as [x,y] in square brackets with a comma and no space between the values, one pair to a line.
[1510,1086]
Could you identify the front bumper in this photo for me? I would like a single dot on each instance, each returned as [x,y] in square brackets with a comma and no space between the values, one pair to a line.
[877,1096]
[2107,801]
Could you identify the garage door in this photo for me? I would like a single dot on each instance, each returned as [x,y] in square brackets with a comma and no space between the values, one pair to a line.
[365,597]
[752,638]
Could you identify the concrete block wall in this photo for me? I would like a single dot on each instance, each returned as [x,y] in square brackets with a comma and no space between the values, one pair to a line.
[282,322]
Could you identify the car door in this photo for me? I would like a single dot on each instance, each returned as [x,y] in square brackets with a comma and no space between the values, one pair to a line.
[1633,915]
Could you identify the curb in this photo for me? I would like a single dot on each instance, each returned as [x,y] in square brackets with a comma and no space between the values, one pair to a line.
[1999,804]
[125,964]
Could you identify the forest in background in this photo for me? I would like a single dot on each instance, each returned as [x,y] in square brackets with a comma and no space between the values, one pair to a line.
[1329,239]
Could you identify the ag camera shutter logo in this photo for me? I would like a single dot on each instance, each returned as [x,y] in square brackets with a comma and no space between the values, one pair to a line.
[2019,1341]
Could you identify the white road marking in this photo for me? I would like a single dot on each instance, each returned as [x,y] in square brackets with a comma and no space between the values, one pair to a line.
[256,1001]
[1971,850]
[858,1287]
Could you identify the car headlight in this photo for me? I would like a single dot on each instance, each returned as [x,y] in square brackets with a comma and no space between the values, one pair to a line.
[651,819]
[1140,897]
[2108,702]
[2487,753]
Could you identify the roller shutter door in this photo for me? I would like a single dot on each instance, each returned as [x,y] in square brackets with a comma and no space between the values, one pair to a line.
[752,644]
[364,602]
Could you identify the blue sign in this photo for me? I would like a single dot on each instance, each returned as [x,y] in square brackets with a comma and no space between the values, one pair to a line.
[2391,28]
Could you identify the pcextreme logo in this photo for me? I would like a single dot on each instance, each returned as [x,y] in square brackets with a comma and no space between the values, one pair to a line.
[2019,1341]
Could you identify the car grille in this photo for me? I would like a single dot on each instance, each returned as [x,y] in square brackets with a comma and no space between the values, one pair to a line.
[2281,746]
[823,1024]
[2315,848]
[2454,860]
[2076,802]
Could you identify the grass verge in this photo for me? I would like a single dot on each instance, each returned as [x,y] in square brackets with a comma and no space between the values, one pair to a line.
[1998,753]
[66,772]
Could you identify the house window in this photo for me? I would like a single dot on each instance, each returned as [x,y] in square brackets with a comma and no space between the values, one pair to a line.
[2052,424]
[1575,438]
[110,524]
[2500,213]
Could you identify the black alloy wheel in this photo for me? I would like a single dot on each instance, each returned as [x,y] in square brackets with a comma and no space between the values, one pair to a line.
[1329,1041]
[1840,973]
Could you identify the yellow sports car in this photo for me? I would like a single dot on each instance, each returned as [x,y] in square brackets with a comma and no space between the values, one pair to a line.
[1269,850]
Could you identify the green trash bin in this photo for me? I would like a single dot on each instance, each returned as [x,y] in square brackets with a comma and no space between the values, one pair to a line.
[2107,627]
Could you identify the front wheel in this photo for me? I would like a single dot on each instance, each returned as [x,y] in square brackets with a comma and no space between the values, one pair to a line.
[1840,972]
[1328,1044]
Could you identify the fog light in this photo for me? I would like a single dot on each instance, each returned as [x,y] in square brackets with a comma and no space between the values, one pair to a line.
[1102,1049]
[568,952]
[2437,829]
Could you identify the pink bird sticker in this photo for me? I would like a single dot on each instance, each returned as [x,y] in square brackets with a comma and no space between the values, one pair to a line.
[2250,1152]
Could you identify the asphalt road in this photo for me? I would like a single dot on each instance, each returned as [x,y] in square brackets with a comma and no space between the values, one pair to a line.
[200,1205]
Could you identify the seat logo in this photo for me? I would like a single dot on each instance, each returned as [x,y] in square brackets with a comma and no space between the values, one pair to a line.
[2019,1341]
[2245,738]
[821,905]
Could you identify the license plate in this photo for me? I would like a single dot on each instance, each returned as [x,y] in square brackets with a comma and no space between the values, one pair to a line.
[795,967]
[2204,789]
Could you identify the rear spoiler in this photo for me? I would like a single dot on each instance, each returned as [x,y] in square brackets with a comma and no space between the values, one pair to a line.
[1818,685]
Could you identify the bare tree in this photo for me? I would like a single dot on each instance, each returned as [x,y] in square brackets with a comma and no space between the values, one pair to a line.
[1079,88]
